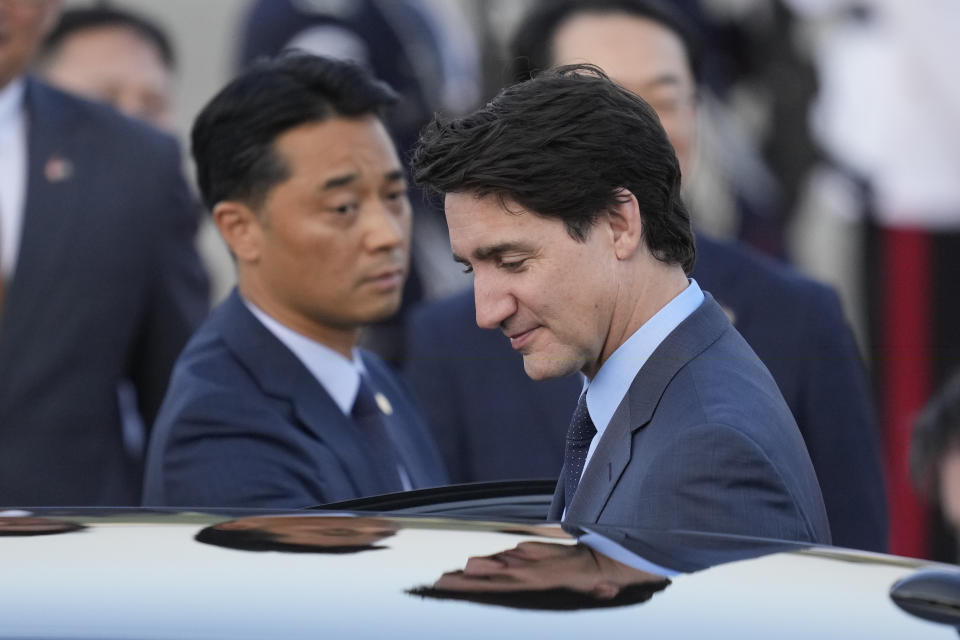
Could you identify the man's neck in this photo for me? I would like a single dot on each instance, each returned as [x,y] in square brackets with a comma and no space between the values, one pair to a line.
[341,340]
[661,284]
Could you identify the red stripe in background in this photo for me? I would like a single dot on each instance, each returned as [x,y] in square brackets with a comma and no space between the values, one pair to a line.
[906,377]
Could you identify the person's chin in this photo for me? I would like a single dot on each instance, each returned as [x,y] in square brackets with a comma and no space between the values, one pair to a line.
[539,366]
[383,308]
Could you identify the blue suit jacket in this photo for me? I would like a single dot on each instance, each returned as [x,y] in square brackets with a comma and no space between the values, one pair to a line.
[702,441]
[107,287]
[477,397]
[245,424]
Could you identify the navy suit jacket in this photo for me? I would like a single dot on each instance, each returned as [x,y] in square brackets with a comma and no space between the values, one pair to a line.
[245,424]
[477,397]
[107,287]
[703,441]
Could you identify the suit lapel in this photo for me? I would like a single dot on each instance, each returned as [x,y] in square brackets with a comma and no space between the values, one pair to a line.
[281,374]
[53,206]
[400,435]
[614,451]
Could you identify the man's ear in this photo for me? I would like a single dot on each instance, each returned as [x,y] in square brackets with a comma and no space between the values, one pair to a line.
[240,228]
[626,224]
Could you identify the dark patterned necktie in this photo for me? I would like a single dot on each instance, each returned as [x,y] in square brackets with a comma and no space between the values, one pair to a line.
[372,427]
[579,436]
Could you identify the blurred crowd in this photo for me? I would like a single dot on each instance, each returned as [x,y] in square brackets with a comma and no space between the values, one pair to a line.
[820,147]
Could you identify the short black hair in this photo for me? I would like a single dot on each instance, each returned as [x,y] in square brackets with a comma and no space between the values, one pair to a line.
[936,432]
[531,48]
[563,145]
[556,599]
[261,540]
[232,137]
[79,19]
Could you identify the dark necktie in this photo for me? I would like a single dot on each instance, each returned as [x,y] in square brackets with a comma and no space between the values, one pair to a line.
[372,427]
[579,436]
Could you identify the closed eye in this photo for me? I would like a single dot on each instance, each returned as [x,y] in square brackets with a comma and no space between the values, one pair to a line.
[512,265]
[345,209]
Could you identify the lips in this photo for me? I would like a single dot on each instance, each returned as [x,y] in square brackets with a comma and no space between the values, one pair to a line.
[386,279]
[522,338]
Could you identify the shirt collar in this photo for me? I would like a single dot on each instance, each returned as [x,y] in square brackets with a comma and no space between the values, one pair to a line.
[11,101]
[615,551]
[338,375]
[608,388]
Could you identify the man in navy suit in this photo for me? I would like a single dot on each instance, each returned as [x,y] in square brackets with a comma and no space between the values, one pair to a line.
[271,404]
[473,389]
[101,286]
[562,196]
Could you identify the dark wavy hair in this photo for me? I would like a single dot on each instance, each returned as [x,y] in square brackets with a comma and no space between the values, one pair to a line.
[556,599]
[563,145]
[232,138]
[261,540]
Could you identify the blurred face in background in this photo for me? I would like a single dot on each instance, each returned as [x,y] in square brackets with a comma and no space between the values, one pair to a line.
[950,487]
[643,57]
[118,66]
[23,25]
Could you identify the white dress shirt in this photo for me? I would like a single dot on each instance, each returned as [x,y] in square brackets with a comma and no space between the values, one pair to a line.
[13,173]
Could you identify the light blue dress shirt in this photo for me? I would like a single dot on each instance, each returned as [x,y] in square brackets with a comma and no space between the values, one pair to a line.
[608,388]
[338,375]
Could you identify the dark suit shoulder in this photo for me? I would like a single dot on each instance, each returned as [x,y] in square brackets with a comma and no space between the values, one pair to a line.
[730,270]
[438,324]
[728,384]
[75,111]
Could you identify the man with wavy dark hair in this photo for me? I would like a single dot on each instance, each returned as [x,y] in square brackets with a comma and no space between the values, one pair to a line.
[562,197]
[796,325]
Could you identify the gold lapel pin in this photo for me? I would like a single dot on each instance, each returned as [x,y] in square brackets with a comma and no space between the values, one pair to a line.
[385,407]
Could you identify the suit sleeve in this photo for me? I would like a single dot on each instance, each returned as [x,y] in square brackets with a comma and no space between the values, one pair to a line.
[179,289]
[224,451]
[713,478]
[840,429]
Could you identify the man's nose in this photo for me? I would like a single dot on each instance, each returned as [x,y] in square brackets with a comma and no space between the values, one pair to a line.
[494,304]
[387,229]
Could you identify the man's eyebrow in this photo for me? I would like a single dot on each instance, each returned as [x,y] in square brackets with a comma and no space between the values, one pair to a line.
[486,253]
[664,79]
[395,176]
[339,181]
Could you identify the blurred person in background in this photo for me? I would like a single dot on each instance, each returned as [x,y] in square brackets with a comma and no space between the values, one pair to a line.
[100,284]
[472,386]
[935,452]
[889,109]
[113,55]
[424,50]
[272,404]
[108,54]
